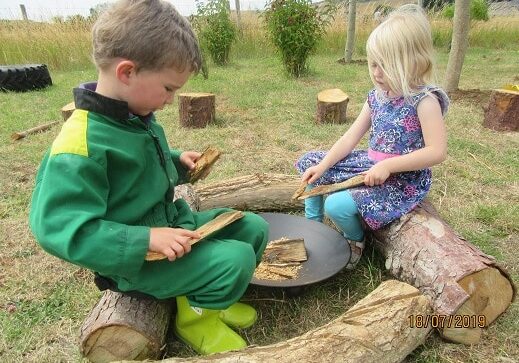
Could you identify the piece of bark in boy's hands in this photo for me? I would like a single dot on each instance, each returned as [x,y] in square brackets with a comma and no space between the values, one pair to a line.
[205,230]
[204,164]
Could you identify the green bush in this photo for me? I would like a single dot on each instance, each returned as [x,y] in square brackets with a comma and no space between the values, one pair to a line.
[215,29]
[478,10]
[294,27]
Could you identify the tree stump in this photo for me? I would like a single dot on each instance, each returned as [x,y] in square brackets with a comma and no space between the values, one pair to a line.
[257,193]
[196,110]
[67,110]
[121,327]
[331,106]
[376,329]
[502,112]
[468,290]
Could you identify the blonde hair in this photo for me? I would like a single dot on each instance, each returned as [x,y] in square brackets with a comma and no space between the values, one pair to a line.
[402,47]
[149,32]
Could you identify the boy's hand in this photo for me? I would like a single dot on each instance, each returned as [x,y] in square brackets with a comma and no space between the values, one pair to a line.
[313,173]
[172,242]
[189,158]
[376,175]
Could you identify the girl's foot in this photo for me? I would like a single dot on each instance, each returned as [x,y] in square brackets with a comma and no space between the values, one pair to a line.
[357,247]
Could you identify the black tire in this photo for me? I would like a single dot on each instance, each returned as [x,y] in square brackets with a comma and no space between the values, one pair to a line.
[24,77]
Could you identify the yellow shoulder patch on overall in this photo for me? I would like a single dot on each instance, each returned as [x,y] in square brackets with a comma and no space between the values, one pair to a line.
[72,138]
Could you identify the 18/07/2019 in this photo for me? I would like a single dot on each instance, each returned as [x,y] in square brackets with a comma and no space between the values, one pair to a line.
[447,321]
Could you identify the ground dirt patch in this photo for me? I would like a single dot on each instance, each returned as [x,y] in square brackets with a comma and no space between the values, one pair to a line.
[474,96]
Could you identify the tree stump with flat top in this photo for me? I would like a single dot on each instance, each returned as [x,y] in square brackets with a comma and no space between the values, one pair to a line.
[196,110]
[502,112]
[66,111]
[331,106]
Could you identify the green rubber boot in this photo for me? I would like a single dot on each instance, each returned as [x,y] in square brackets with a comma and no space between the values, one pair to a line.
[239,316]
[203,330]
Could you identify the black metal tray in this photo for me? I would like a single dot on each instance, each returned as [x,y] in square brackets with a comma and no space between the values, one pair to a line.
[328,251]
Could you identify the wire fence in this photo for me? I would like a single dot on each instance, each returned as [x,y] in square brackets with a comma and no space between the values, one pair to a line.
[46,10]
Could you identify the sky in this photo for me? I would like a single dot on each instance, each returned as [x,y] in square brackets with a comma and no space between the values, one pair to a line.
[44,10]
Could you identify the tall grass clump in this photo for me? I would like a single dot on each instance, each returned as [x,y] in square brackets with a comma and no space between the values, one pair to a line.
[295,27]
[215,29]
[62,46]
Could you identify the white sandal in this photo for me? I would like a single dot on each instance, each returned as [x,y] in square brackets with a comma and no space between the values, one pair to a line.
[356,247]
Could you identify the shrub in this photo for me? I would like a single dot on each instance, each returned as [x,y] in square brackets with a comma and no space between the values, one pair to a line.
[294,27]
[478,10]
[215,29]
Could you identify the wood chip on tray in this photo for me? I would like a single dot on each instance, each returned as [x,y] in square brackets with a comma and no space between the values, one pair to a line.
[282,259]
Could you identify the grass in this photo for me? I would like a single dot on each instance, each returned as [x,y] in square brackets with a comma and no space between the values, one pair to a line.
[265,120]
[261,126]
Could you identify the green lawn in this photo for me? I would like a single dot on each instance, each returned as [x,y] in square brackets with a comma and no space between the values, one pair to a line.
[264,121]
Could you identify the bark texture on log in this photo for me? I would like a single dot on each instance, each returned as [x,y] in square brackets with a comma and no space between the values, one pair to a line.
[376,329]
[460,280]
[331,106]
[258,193]
[196,110]
[502,112]
[122,327]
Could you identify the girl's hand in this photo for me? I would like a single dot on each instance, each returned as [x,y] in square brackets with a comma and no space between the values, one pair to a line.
[313,173]
[171,242]
[376,175]
[189,158]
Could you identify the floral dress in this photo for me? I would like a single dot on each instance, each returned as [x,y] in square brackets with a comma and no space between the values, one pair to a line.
[395,130]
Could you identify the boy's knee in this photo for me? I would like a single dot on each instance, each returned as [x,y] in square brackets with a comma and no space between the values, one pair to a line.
[239,261]
[261,227]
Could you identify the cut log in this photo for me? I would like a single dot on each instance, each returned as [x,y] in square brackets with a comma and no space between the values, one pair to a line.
[467,288]
[196,110]
[502,112]
[331,106]
[67,110]
[257,193]
[376,329]
[21,134]
[122,327]
[204,164]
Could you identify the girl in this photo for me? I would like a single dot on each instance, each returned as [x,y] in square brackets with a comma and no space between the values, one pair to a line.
[404,114]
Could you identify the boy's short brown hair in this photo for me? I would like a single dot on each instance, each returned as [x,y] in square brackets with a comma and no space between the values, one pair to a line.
[150,33]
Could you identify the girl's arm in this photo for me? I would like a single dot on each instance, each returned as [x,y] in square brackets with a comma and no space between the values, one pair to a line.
[343,146]
[434,152]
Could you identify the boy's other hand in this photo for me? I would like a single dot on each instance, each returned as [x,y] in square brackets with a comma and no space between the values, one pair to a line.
[172,242]
[189,158]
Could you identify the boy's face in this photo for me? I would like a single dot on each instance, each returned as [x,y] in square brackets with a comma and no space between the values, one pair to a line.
[152,90]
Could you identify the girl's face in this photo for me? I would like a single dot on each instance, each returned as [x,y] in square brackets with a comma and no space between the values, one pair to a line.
[379,77]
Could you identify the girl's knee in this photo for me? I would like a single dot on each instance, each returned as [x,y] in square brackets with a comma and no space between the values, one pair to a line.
[340,205]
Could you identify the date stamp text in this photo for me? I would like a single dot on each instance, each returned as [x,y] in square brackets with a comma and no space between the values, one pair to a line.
[447,321]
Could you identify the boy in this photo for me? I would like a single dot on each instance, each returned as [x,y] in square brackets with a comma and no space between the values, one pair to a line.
[103,194]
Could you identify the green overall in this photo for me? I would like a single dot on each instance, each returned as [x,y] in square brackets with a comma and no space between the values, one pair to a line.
[108,177]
